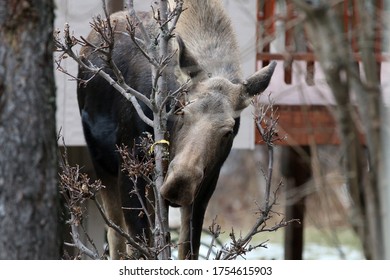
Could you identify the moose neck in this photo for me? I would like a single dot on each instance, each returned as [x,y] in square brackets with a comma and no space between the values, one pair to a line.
[208,34]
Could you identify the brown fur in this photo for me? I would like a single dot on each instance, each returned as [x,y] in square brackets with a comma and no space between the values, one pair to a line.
[208,34]
[202,134]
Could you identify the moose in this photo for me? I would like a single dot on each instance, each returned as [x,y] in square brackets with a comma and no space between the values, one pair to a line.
[200,136]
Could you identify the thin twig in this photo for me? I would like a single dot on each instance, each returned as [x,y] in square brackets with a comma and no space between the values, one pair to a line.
[266,122]
[128,92]
[140,26]
[144,250]
[93,254]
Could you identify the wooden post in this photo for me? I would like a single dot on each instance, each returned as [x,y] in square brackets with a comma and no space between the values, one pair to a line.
[296,167]
[114,6]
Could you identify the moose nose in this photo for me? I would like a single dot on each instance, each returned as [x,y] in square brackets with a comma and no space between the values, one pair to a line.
[181,184]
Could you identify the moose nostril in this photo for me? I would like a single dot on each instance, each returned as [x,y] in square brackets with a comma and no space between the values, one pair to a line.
[181,185]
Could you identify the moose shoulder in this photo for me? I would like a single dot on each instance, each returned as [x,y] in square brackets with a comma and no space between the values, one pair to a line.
[201,134]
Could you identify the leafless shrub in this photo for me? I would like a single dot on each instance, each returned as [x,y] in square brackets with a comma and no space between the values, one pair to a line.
[76,188]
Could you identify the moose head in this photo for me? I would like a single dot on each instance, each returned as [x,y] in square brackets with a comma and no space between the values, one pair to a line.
[205,126]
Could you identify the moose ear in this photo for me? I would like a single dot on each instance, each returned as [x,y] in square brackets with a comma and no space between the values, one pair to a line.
[259,81]
[188,64]
[254,85]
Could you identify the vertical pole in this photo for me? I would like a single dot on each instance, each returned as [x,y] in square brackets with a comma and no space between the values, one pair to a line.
[289,44]
[385,176]
[265,15]
[296,167]
[385,179]
[114,6]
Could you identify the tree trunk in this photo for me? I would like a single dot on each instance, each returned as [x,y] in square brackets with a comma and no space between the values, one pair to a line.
[29,215]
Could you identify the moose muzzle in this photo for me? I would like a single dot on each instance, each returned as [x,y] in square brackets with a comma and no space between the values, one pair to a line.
[181,184]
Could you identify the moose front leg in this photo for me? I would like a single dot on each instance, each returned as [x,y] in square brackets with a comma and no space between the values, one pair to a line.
[111,203]
[189,242]
[192,217]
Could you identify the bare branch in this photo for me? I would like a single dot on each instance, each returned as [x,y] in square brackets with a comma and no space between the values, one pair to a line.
[266,123]
[138,168]
[93,254]
[141,27]
[215,231]
[128,92]
[144,250]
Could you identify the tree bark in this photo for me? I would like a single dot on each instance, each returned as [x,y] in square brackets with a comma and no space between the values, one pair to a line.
[29,215]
